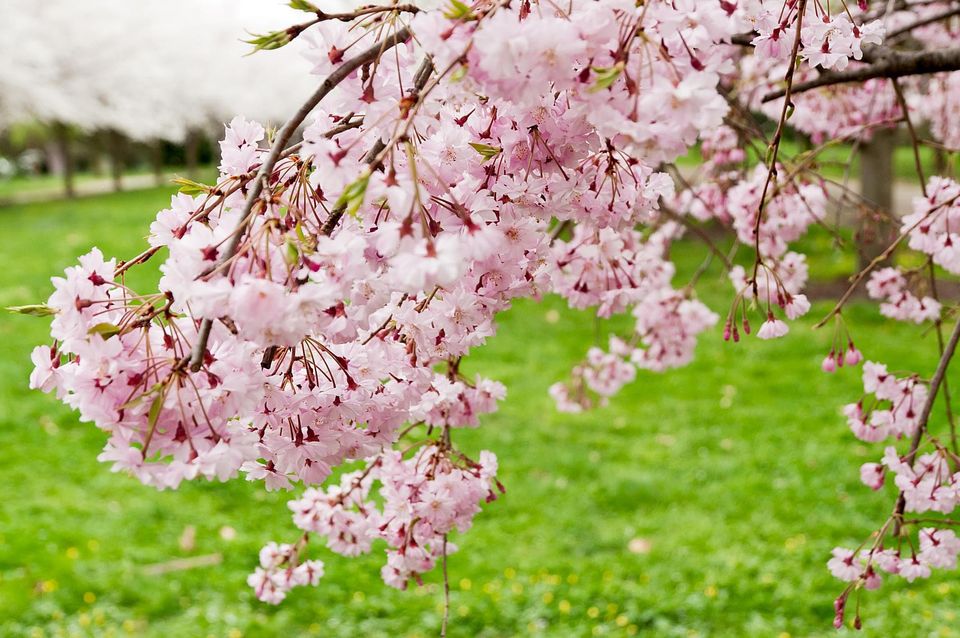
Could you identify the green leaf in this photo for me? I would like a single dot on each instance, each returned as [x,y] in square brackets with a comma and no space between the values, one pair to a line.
[606,76]
[458,11]
[156,387]
[486,151]
[352,198]
[36,310]
[105,330]
[292,254]
[190,187]
[270,41]
[459,73]
[303,5]
[152,417]
[155,408]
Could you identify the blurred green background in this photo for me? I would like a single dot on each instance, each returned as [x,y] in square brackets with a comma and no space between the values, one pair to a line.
[700,502]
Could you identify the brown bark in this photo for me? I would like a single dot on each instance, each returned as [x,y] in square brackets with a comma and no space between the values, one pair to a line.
[156,161]
[190,152]
[61,135]
[883,63]
[876,187]
[115,150]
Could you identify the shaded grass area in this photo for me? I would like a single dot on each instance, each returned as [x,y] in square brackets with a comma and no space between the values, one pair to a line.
[701,502]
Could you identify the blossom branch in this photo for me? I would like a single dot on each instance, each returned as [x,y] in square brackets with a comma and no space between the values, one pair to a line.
[279,143]
[777,137]
[373,156]
[938,378]
[889,64]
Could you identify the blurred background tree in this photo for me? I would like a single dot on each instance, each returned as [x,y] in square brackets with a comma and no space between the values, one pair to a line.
[104,85]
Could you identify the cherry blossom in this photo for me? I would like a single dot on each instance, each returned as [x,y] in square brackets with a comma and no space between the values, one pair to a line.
[318,305]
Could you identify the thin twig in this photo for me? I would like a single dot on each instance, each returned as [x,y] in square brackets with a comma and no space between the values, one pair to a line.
[922,22]
[446,592]
[700,232]
[946,387]
[882,257]
[777,137]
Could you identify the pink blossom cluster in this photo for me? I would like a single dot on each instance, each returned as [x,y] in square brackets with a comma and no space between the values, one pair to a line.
[934,225]
[937,549]
[596,379]
[928,484]
[733,197]
[828,41]
[844,111]
[895,409]
[425,497]
[280,571]
[721,147]
[937,104]
[458,403]
[889,286]
[826,114]
[787,215]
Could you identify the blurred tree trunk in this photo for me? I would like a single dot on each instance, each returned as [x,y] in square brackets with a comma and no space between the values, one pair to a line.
[876,227]
[156,160]
[191,149]
[115,149]
[940,164]
[64,158]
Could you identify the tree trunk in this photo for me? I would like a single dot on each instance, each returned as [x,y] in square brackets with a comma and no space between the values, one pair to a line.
[156,160]
[115,148]
[61,136]
[876,227]
[190,151]
[940,164]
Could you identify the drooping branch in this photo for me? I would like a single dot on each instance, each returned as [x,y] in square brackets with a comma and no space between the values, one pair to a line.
[283,137]
[774,148]
[885,63]
[939,377]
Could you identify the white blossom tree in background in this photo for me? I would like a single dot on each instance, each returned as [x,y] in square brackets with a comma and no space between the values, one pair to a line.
[146,71]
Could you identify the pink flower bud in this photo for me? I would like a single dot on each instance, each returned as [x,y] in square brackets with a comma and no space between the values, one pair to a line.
[853,356]
[829,365]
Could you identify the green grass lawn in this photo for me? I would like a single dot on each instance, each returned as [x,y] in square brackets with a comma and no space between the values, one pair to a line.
[701,502]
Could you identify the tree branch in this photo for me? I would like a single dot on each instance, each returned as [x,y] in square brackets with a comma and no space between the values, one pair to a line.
[938,378]
[281,140]
[885,64]
[774,148]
